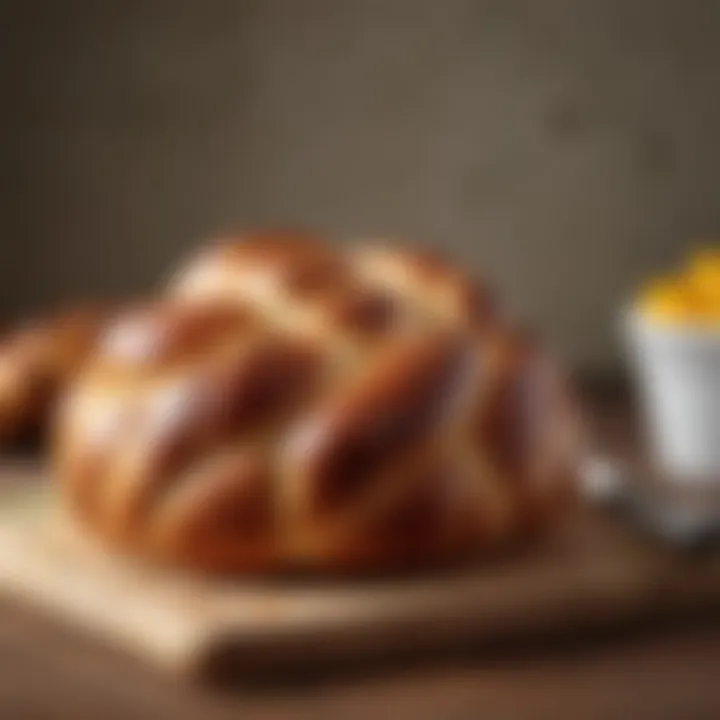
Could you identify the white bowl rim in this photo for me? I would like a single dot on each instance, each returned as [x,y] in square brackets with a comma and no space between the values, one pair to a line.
[637,321]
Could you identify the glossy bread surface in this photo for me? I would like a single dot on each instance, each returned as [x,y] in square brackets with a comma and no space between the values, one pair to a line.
[292,406]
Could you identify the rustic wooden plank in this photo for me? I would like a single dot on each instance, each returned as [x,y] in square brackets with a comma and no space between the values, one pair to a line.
[595,573]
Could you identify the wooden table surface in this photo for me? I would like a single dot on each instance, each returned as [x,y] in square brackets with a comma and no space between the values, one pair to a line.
[670,673]
[654,672]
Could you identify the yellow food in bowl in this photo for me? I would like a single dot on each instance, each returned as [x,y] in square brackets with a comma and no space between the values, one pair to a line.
[704,277]
[690,297]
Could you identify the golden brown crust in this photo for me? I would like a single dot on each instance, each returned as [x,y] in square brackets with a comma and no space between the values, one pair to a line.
[355,436]
[425,279]
[296,407]
[36,361]
[530,429]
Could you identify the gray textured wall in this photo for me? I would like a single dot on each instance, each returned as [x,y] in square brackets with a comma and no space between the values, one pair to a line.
[565,148]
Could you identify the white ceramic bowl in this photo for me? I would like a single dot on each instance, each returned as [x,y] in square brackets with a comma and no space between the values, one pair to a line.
[677,369]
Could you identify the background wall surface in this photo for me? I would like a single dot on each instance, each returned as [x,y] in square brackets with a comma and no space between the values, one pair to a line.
[565,148]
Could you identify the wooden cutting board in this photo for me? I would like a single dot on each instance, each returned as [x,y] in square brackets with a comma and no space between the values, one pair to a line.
[594,573]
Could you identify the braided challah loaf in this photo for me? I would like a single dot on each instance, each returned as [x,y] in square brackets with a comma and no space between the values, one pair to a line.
[36,361]
[293,407]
